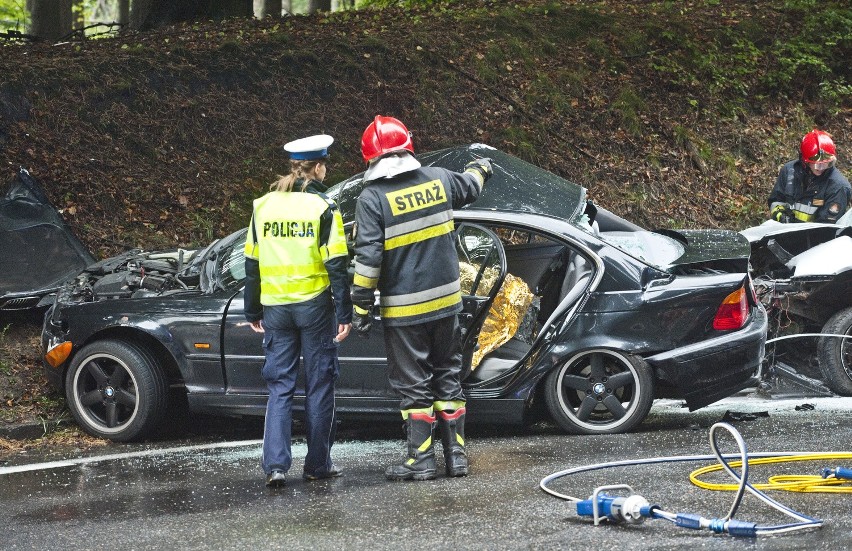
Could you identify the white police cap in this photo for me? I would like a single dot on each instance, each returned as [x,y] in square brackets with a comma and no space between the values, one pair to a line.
[310,148]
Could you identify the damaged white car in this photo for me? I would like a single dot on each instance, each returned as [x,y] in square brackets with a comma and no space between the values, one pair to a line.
[803,276]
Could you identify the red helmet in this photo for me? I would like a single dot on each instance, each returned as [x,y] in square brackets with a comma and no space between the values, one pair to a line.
[384,135]
[817,147]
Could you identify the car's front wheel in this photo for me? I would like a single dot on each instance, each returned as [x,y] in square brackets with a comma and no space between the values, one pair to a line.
[600,392]
[116,390]
[835,353]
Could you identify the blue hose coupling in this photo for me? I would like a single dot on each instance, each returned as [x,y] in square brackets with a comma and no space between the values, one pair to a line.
[838,472]
[632,509]
[717,525]
[741,528]
[687,520]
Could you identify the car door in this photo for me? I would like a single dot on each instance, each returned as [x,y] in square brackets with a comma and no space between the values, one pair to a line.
[243,354]
[482,268]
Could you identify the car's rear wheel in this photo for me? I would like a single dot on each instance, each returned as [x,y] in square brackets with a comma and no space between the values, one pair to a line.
[116,390]
[835,353]
[600,392]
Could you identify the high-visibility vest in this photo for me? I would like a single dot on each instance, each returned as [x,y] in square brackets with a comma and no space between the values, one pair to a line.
[285,238]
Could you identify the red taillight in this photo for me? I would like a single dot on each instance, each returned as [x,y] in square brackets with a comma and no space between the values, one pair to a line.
[733,312]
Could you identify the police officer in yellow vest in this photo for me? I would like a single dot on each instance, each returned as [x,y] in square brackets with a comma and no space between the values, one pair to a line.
[297,295]
[404,246]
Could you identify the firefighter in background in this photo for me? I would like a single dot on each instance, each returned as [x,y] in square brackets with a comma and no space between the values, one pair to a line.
[811,188]
[404,246]
[297,295]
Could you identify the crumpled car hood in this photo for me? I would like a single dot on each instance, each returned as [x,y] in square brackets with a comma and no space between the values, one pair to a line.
[38,249]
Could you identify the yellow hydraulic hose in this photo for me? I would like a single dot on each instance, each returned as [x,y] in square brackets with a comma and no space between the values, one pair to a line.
[790,483]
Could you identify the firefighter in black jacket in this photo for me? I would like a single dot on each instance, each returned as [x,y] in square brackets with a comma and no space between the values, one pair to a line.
[811,188]
[404,246]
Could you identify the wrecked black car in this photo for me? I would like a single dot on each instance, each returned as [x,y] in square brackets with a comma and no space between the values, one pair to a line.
[569,311]
[39,251]
[803,275]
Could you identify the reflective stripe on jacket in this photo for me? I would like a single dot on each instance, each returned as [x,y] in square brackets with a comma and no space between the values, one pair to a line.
[285,237]
[404,244]
[822,198]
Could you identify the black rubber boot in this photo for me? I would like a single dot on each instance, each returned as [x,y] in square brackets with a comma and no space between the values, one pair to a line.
[420,464]
[451,424]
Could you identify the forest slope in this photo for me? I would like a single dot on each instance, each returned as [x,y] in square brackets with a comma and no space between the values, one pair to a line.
[671,113]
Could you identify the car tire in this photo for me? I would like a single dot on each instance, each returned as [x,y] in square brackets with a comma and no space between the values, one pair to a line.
[116,390]
[835,354]
[600,391]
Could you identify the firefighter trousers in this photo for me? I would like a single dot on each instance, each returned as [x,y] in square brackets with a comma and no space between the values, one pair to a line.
[425,361]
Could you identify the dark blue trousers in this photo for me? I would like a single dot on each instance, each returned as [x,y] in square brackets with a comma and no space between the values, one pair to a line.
[306,328]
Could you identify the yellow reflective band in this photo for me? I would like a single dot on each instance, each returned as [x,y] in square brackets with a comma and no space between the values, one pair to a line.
[313,269]
[452,405]
[417,197]
[478,175]
[360,311]
[337,249]
[420,235]
[803,217]
[421,308]
[337,237]
[459,439]
[366,282]
[425,445]
[290,291]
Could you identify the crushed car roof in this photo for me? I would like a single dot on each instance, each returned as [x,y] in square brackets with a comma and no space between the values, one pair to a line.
[516,186]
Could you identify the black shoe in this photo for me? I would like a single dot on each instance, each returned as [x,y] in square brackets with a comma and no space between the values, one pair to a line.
[333,472]
[424,471]
[276,479]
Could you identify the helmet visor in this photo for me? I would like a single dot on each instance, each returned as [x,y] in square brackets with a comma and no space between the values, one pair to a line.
[821,160]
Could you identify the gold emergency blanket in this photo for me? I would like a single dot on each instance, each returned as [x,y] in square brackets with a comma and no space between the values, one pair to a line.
[505,316]
[468,274]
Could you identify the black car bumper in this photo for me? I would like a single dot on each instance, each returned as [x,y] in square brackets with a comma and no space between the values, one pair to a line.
[711,370]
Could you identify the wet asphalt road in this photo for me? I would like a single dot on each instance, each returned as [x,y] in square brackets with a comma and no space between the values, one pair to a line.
[207,492]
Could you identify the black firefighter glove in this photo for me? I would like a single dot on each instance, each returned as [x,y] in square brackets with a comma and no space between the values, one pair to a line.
[783,213]
[362,321]
[482,167]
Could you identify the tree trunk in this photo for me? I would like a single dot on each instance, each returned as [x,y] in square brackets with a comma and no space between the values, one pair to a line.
[124,11]
[231,8]
[145,14]
[319,5]
[262,8]
[50,19]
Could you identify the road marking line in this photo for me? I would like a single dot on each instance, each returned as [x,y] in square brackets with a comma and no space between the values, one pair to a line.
[128,455]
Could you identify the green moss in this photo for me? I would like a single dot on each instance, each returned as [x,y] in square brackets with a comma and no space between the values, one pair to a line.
[231,47]
[628,106]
